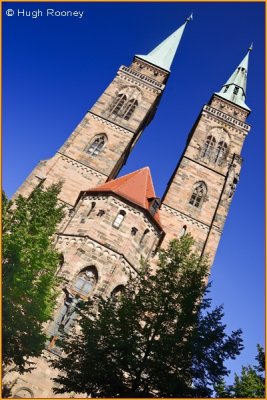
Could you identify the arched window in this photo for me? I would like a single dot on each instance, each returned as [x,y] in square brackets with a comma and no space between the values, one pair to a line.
[93,204]
[183,231]
[100,213]
[117,291]
[208,147]
[129,109]
[85,282]
[23,392]
[118,104]
[144,237]
[220,152]
[97,145]
[134,231]
[198,195]
[119,218]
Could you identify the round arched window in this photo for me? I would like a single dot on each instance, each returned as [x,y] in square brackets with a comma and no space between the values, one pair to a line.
[85,282]
[117,291]
[183,231]
[23,393]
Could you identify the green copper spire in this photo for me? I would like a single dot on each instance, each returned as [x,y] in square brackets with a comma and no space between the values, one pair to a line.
[162,56]
[235,88]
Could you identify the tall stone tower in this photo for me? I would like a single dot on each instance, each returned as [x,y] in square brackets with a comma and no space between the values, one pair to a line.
[201,188]
[114,222]
[100,145]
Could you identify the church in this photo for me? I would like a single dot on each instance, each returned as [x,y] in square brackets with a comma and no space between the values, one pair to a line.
[111,223]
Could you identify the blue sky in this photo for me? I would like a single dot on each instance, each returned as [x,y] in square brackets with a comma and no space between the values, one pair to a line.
[54,69]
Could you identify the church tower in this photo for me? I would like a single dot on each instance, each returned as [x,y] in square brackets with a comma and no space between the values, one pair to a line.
[116,222]
[101,143]
[201,188]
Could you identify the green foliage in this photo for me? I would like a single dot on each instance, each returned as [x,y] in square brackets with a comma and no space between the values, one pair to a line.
[250,384]
[158,339]
[28,273]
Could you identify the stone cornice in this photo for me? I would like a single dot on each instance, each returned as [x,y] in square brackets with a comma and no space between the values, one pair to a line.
[110,123]
[227,118]
[188,218]
[81,167]
[143,78]
[185,217]
[106,249]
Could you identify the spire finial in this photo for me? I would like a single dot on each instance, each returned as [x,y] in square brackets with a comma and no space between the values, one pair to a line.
[251,47]
[190,18]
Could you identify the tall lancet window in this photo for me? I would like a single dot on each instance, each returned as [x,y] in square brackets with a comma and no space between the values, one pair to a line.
[119,103]
[198,195]
[208,147]
[129,109]
[97,145]
[220,152]
[144,237]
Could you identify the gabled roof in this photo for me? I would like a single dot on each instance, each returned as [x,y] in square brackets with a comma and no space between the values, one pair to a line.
[162,56]
[234,89]
[137,187]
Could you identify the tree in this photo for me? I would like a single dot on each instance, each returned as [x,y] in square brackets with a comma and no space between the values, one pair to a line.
[28,273]
[157,339]
[250,384]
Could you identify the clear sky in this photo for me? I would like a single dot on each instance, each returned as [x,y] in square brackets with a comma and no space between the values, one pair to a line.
[55,68]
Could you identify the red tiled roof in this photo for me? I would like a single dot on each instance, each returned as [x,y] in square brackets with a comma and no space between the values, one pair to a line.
[136,187]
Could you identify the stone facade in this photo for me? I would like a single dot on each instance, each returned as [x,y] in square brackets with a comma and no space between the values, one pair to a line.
[106,232]
[90,239]
[220,122]
[73,164]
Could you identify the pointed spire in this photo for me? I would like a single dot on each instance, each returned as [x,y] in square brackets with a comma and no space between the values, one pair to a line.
[162,56]
[235,88]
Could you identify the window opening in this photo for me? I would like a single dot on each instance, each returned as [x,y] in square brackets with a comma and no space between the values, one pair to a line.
[129,109]
[220,152]
[119,104]
[144,236]
[117,291]
[119,219]
[183,231]
[134,231]
[84,282]
[92,208]
[236,90]
[198,194]
[96,146]
[100,213]
[208,147]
